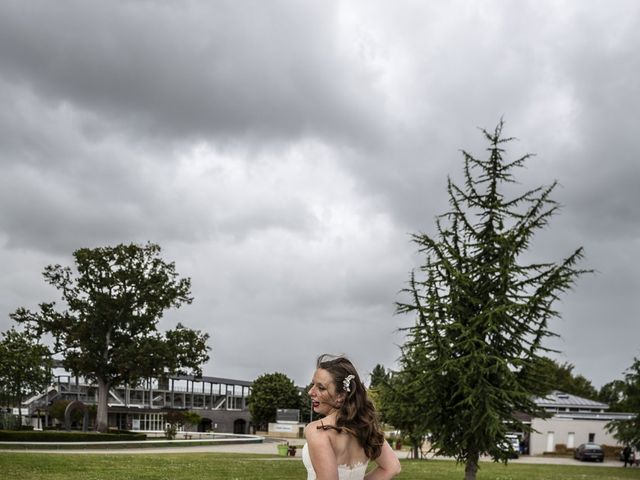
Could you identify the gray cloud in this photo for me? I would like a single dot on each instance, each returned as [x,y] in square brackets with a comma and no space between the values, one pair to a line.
[282,154]
[193,69]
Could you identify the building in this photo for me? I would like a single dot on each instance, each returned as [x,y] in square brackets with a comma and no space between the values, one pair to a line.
[572,420]
[222,403]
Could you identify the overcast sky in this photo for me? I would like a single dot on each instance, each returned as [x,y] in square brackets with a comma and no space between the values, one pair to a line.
[282,152]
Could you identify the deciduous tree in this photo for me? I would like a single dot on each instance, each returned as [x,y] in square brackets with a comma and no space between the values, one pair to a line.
[269,392]
[628,431]
[481,309]
[175,419]
[613,394]
[306,407]
[556,376]
[107,331]
[25,367]
[401,403]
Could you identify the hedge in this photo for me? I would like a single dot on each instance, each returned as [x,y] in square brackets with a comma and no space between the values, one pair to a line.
[58,436]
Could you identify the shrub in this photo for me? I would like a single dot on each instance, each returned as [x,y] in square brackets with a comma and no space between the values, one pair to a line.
[9,421]
[60,436]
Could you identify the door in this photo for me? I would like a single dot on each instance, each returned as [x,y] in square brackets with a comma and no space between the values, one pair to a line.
[551,443]
[240,426]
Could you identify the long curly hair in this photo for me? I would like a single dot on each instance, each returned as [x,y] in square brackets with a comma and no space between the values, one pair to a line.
[356,414]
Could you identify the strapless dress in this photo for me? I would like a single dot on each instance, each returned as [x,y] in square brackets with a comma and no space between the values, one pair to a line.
[345,472]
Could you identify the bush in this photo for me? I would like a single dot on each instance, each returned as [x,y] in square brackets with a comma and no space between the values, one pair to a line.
[9,421]
[115,431]
[170,431]
[58,408]
[175,419]
[611,451]
[59,436]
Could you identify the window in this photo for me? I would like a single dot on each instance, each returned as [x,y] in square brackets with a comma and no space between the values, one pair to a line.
[592,437]
[148,421]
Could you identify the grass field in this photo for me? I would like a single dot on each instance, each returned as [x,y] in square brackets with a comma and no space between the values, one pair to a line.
[225,466]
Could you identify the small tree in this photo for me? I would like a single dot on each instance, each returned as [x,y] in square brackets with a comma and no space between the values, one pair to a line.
[379,376]
[269,392]
[25,367]
[628,431]
[191,419]
[108,331]
[58,409]
[401,404]
[174,419]
[482,313]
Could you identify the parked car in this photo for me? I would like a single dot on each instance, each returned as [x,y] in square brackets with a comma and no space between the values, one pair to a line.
[589,451]
[511,445]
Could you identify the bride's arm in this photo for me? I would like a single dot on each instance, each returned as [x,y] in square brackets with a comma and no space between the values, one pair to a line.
[388,465]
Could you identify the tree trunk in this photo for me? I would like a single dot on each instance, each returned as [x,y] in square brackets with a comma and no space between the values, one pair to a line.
[102,416]
[471,467]
[20,408]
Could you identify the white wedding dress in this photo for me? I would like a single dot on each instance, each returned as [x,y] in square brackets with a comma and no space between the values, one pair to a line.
[345,472]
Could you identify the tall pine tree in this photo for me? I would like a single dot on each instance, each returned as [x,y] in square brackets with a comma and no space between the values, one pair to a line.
[482,313]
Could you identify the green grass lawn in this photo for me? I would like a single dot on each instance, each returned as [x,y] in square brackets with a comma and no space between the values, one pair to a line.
[223,466]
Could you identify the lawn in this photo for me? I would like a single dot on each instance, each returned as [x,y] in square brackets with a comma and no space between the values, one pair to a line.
[223,466]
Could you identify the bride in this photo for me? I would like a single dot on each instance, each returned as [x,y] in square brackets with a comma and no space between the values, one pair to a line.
[340,445]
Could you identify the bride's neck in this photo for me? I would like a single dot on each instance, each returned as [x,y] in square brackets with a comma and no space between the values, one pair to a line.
[331,417]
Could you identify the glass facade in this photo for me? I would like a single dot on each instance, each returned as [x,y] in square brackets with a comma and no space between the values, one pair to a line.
[148,421]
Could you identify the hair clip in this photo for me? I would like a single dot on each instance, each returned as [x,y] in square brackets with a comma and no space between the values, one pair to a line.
[346,383]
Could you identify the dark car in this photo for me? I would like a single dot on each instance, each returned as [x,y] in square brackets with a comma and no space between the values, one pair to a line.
[589,451]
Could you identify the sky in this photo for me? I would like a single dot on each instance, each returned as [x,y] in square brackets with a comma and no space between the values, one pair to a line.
[282,153]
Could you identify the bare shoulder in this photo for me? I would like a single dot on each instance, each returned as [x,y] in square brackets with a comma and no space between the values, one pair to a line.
[314,431]
[320,438]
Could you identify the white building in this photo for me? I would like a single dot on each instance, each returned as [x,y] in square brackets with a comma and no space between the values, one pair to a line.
[573,420]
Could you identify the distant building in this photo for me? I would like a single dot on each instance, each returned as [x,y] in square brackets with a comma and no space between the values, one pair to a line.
[221,402]
[573,420]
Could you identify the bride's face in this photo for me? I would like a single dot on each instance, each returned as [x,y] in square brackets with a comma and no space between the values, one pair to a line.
[324,397]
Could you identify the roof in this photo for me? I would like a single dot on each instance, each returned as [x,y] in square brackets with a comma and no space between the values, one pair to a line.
[220,380]
[605,416]
[558,399]
[206,379]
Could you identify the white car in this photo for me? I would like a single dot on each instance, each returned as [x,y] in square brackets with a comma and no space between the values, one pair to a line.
[512,445]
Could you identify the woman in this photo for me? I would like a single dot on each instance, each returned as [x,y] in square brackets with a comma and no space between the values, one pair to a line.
[340,445]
